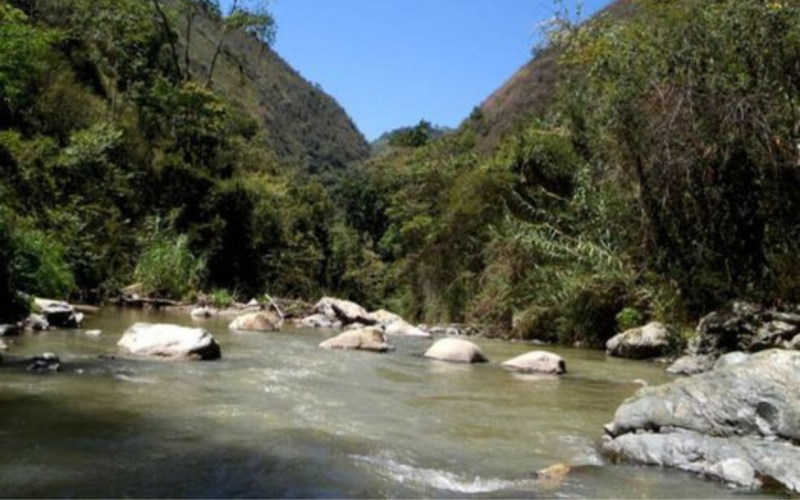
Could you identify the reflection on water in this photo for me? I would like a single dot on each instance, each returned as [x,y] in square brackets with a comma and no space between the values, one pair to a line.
[278,417]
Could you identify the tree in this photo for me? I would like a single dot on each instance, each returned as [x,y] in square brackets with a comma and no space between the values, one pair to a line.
[249,17]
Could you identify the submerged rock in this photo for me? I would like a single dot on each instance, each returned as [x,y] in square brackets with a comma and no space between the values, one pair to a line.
[320,321]
[691,365]
[456,351]
[256,322]
[747,412]
[366,339]
[169,341]
[202,312]
[47,362]
[649,341]
[538,362]
[384,317]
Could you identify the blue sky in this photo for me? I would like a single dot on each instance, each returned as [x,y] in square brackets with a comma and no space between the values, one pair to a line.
[390,63]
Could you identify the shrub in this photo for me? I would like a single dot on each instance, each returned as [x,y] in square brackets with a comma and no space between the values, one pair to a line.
[167,267]
[221,298]
[628,318]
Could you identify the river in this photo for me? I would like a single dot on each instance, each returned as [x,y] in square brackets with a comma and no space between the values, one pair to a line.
[278,417]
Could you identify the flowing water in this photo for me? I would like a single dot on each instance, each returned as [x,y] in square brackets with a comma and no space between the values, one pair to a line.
[278,417]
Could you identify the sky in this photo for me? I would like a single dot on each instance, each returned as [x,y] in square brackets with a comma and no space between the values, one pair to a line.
[391,63]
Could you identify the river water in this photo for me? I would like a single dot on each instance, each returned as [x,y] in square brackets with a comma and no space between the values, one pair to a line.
[278,417]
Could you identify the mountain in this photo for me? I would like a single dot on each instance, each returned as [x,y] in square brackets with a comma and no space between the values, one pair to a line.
[305,125]
[528,92]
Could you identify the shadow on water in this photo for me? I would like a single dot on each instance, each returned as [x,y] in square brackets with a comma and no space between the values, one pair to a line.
[75,452]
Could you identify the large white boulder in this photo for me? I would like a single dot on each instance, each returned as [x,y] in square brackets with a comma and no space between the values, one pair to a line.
[343,310]
[170,342]
[365,339]
[456,351]
[649,341]
[538,362]
[256,322]
[402,328]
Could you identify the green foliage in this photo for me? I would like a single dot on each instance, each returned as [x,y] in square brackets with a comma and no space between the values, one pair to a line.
[40,267]
[221,298]
[628,318]
[166,266]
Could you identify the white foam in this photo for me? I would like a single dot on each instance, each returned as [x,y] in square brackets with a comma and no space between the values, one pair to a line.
[443,480]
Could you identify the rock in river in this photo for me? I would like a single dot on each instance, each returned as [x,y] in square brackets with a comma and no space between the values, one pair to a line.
[456,351]
[256,322]
[59,314]
[739,423]
[538,362]
[320,321]
[47,362]
[692,365]
[649,341]
[365,339]
[169,341]
[345,311]
[403,329]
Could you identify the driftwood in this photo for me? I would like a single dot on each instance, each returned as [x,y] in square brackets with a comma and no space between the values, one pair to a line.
[145,302]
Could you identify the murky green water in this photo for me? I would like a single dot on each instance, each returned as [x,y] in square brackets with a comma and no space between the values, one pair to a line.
[278,417]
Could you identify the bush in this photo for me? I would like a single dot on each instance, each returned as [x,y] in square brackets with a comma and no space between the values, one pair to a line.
[628,318]
[167,267]
[221,298]
[40,266]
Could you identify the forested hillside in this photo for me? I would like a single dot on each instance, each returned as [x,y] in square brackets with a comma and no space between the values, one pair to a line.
[643,166]
[119,165]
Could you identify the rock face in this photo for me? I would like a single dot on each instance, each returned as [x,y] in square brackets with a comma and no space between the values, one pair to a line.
[169,341]
[649,341]
[692,365]
[456,351]
[59,314]
[255,322]
[744,437]
[345,311]
[745,327]
[538,362]
[366,339]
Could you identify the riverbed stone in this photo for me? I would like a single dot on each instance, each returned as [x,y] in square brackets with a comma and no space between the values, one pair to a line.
[35,323]
[538,362]
[366,339]
[58,314]
[3,345]
[320,321]
[169,342]
[456,351]
[748,411]
[401,328]
[256,322]
[649,341]
[9,330]
[202,312]
[46,362]
[691,365]
[343,310]
[384,317]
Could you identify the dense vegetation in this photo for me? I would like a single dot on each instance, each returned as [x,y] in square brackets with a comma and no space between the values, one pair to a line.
[660,181]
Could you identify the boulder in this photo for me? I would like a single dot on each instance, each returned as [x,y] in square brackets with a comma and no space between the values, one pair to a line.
[686,424]
[366,339]
[345,311]
[202,312]
[3,346]
[320,321]
[256,322]
[169,341]
[730,359]
[93,333]
[58,314]
[691,365]
[538,362]
[47,362]
[401,328]
[35,323]
[9,330]
[649,341]
[384,317]
[793,344]
[456,351]
[746,327]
